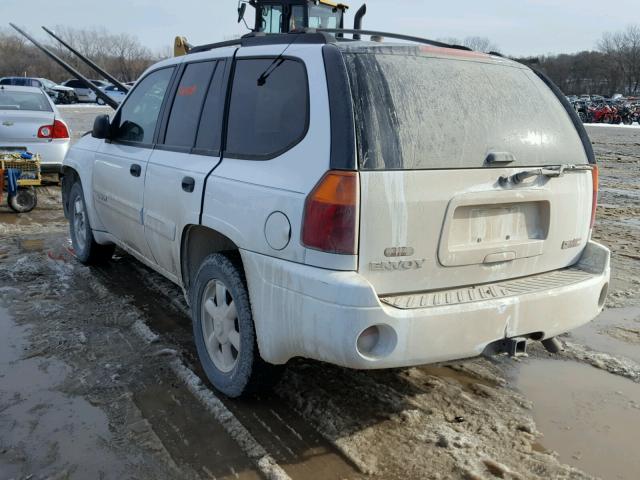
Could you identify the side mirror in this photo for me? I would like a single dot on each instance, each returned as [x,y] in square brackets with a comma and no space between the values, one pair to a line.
[241,11]
[101,127]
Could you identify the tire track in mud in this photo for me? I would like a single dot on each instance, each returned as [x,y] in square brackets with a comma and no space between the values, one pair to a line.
[289,440]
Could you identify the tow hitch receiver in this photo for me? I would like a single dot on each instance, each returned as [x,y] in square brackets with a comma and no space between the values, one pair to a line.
[516,347]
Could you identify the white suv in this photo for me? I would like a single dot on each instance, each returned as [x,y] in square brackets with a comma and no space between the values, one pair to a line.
[366,204]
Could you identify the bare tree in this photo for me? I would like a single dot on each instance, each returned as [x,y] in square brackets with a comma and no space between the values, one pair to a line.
[624,48]
[481,44]
[120,54]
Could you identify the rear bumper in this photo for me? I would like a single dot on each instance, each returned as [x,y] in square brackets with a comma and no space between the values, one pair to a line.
[51,153]
[303,311]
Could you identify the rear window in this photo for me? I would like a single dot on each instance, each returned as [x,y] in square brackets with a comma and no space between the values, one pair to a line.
[415,111]
[29,101]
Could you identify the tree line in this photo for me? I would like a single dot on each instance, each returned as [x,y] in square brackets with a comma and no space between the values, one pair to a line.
[122,54]
[613,67]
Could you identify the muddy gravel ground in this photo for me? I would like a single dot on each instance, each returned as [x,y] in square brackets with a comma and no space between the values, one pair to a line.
[99,378]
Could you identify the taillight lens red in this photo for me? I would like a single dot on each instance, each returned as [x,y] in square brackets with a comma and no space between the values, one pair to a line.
[57,130]
[594,202]
[331,214]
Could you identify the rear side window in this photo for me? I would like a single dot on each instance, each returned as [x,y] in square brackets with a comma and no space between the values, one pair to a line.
[138,117]
[187,104]
[415,111]
[269,110]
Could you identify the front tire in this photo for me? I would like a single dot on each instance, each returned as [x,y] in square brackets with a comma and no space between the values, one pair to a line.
[84,245]
[224,332]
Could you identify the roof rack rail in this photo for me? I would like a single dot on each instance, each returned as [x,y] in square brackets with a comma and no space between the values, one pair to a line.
[261,38]
[397,36]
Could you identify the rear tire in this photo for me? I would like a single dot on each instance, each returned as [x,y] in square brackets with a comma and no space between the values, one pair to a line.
[24,200]
[224,331]
[84,245]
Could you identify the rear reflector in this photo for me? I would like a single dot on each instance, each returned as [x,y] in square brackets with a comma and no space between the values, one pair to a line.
[594,201]
[57,130]
[331,214]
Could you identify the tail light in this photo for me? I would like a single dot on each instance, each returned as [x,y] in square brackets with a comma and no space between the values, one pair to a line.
[594,201]
[57,130]
[331,214]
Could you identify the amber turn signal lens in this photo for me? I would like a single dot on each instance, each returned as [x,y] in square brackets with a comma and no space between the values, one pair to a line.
[331,214]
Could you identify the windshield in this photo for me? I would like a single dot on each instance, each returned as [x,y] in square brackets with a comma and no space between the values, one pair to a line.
[47,83]
[31,101]
[415,111]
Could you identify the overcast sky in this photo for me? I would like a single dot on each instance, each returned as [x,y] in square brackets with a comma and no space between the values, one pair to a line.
[518,27]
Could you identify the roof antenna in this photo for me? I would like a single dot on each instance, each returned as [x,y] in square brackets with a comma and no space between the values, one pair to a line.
[279,60]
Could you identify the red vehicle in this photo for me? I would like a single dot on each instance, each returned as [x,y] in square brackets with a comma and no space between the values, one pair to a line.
[604,114]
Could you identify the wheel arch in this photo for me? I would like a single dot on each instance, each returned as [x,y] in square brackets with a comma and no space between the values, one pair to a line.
[69,177]
[197,243]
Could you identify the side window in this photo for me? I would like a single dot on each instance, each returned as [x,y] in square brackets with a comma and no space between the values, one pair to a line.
[271,18]
[297,18]
[210,131]
[137,119]
[187,104]
[269,110]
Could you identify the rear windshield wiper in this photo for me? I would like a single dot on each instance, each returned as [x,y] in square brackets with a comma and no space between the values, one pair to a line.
[549,172]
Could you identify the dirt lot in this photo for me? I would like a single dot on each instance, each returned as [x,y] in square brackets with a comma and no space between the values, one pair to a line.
[99,379]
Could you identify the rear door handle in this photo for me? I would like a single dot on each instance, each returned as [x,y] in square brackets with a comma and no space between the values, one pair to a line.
[135,170]
[188,184]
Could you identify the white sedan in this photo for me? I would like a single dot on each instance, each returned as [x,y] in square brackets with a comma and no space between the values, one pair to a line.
[29,121]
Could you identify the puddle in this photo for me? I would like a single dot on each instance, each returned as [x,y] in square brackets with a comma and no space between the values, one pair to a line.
[615,331]
[590,417]
[31,245]
[191,435]
[70,433]
[11,218]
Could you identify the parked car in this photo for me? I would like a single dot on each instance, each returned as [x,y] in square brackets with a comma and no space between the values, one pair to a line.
[113,92]
[303,220]
[59,93]
[85,94]
[30,121]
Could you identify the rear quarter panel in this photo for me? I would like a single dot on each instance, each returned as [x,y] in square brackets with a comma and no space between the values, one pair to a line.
[242,194]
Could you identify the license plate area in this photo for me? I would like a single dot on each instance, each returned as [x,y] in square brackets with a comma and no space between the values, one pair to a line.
[488,228]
